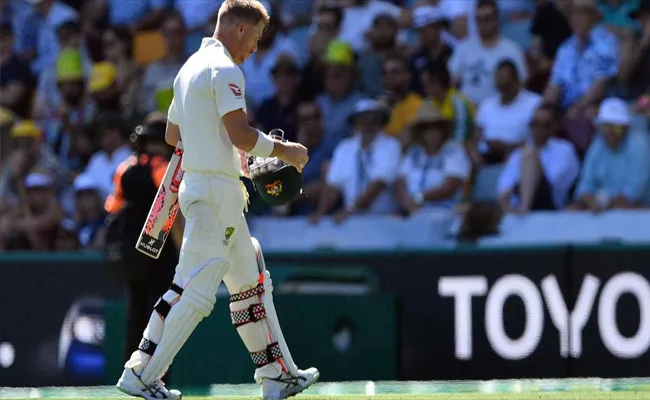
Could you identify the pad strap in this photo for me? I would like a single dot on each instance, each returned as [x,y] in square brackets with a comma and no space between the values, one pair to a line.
[175,288]
[254,313]
[147,346]
[265,357]
[257,290]
[162,308]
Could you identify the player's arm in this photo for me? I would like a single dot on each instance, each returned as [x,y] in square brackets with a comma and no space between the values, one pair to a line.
[248,139]
[172,134]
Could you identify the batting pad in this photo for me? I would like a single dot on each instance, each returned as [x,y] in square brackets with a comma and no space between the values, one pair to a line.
[195,304]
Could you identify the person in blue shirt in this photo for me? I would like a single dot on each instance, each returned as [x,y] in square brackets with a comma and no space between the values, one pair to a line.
[616,170]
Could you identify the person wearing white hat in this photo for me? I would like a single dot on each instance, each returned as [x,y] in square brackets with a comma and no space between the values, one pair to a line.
[38,215]
[363,167]
[616,171]
[89,212]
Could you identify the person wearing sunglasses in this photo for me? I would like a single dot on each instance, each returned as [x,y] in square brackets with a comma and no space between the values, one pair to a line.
[616,172]
[540,175]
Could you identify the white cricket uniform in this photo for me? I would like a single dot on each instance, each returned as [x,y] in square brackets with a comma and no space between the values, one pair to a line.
[211,196]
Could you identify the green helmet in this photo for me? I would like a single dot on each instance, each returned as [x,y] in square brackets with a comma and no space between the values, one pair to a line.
[277,183]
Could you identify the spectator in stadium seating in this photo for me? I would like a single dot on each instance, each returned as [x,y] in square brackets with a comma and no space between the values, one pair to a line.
[452,104]
[540,175]
[24,25]
[135,15]
[16,80]
[616,170]
[584,65]
[433,51]
[358,19]
[257,68]
[67,237]
[328,25]
[474,62]
[634,70]
[503,120]
[195,18]
[29,152]
[33,224]
[311,135]
[109,131]
[51,14]
[550,27]
[158,79]
[48,95]
[106,93]
[406,102]
[340,94]
[363,167]
[279,111]
[117,47]
[435,167]
[382,43]
[89,212]
[64,126]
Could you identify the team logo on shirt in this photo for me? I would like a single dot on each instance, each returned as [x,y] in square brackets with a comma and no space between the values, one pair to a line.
[235,89]
[274,188]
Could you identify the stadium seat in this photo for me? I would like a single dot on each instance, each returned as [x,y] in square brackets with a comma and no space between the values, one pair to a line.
[148,46]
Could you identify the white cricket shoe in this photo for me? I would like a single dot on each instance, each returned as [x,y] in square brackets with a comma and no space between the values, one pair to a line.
[131,384]
[287,385]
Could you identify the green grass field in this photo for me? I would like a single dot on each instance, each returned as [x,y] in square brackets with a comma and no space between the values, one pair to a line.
[532,389]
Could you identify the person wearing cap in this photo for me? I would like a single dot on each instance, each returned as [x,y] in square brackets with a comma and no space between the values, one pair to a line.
[473,63]
[452,104]
[49,99]
[397,79]
[540,175]
[435,168]
[16,80]
[359,17]
[635,59]
[616,170]
[28,152]
[52,14]
[279,110]
[340,94]
[363,168]
[432,50]
[89,212]
[585,64]
[159,75]
[33,222]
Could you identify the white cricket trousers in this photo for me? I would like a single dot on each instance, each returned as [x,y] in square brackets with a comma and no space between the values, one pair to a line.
[215,228]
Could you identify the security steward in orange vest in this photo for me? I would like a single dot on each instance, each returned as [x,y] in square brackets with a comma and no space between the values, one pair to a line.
[135,184]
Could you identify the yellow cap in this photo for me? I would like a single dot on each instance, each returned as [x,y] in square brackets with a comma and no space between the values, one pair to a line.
[26,129]
[339,53]
[102,77]
[69,66]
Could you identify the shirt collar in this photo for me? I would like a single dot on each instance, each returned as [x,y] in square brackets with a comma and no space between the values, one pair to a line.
[212,42]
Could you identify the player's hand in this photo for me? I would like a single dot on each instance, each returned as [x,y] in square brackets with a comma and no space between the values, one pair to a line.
[294,154]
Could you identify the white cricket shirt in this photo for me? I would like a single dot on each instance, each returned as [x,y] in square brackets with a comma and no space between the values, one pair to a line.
[208,86]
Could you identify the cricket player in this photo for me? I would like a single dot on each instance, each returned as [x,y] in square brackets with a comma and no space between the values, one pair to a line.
[209,113]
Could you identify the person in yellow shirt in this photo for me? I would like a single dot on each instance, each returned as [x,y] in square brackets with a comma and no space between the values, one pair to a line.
[405,102]
[453,106]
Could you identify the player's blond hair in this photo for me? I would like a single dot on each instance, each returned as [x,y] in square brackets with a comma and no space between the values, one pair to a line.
[251,11]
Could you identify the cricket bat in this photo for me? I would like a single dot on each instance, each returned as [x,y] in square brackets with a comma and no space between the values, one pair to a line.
[163,210]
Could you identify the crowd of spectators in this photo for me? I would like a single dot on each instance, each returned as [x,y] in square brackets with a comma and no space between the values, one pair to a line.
[404,105]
